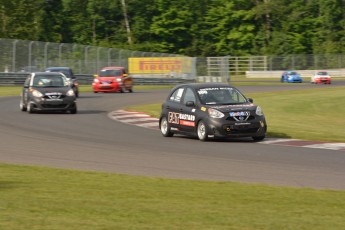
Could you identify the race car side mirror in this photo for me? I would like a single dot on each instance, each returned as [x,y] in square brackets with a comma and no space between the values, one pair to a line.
[250,100]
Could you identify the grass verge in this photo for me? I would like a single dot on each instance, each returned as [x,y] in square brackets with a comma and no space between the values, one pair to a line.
[42,198]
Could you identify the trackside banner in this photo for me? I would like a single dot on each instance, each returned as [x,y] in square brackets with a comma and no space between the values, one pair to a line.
[162,65]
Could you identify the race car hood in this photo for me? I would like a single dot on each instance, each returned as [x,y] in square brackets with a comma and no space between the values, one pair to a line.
[52,90]
[229,108]
[295,76]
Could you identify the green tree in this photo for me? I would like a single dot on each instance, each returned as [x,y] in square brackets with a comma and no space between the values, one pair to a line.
[176,26]
[231,27]
[21,19]
[52,22]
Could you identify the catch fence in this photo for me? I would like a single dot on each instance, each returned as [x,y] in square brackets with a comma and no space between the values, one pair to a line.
[18,56]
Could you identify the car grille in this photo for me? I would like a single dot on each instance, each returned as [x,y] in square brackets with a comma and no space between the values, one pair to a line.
[54,96]
[50,106]
[233,119]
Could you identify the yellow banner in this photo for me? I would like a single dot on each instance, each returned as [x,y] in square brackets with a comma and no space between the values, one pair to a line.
[162,65]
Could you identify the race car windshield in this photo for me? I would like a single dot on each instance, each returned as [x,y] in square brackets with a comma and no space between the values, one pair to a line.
[221,96]
[322,73]
[49,81]
[292,73]
[110,73]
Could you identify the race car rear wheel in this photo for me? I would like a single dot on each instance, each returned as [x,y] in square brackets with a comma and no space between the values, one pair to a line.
[202,131]
[165,128]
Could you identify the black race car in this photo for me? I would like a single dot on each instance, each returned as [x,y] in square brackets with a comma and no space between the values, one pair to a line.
[47,91]
[211,110]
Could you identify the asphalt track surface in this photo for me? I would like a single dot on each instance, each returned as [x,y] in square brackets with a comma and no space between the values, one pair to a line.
[90,140]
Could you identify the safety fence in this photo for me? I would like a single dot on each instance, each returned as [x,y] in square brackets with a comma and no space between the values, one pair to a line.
[20,56]
[31,56]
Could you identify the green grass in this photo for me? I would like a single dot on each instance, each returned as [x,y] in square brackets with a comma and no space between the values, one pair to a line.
[10,90]
[312,114]
[42,198]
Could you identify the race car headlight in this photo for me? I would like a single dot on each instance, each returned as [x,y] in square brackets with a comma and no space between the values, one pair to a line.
[259,111]
[36,93]
[95,80]
[215,113]
[70,93]
[118,79]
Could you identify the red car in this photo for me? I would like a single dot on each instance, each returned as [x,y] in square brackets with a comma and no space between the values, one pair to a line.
[321,77]
[112,79]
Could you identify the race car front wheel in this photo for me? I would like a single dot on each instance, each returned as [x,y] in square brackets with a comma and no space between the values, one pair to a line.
[202,131]
[30,108]
[258,138]
[22,105]
[165,128]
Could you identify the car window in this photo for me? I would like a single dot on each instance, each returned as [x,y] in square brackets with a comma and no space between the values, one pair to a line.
[49,81]
[67,72]
[176,95]
[110,73]
[189,96]
[221,96]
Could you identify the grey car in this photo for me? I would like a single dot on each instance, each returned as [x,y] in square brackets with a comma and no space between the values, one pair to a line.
[47,91]
[211,110]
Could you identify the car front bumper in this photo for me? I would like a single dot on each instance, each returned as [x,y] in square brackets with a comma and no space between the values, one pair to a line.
[323,81]
[253,128]
[295,80]
[43,104]
[112,87]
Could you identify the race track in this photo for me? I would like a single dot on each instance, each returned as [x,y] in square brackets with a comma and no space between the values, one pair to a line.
[90,140]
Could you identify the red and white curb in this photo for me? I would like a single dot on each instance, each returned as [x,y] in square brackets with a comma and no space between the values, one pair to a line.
[146,121]
[135,118]
[304,143]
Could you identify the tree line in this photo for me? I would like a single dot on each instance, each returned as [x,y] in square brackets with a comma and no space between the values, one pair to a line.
[188,27]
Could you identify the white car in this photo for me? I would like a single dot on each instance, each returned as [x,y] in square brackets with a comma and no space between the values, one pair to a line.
[321,77]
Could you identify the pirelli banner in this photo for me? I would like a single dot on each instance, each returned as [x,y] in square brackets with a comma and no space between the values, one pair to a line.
[160,66]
